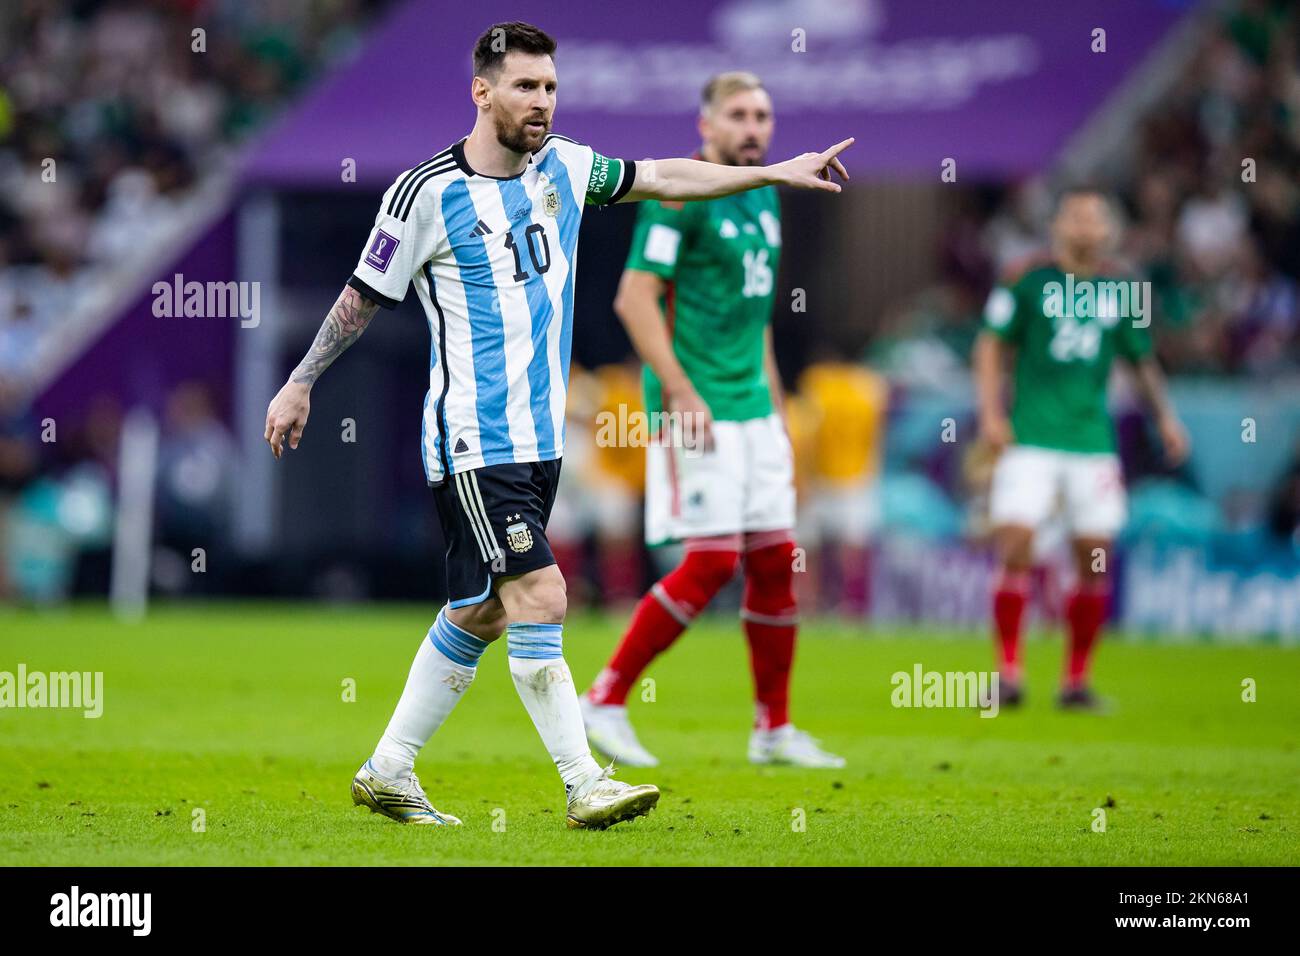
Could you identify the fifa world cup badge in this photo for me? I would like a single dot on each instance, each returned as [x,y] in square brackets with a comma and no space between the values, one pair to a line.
[520,538]
[551,200]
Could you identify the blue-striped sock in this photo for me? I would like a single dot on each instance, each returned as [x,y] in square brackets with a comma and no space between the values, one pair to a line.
[456,643]
[535,642]
[442,671]
[545,685]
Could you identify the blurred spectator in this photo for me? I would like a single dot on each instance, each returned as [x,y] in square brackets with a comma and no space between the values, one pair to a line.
[198,469]
[840,514]
[1016,229]
[1284,509]
[1211,228]
[18,463]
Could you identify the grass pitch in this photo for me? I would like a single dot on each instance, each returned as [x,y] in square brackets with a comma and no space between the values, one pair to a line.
[239,711]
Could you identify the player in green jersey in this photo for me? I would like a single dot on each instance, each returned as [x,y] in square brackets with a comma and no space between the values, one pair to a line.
[696,298]
[1064,321]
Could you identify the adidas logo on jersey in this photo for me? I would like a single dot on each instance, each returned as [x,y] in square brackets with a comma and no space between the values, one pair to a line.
[482,229]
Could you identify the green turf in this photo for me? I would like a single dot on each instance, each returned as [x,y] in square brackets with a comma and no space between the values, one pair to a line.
[238,710]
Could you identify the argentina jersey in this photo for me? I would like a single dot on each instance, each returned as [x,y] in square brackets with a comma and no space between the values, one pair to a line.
[493,262]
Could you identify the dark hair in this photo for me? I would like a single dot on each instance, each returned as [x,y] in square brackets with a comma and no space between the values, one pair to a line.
[499,39]
[1075,190]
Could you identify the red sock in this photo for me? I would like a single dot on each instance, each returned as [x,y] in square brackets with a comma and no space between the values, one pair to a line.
[1085,612]
[769,618]
[1009,602]
[568,557]
[661,616]
[620,570]
[855,567]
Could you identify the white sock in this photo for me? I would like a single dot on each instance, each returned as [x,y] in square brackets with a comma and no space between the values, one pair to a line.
[442,671]
[545,686]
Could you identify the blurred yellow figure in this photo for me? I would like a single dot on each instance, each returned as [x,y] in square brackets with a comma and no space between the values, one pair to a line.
[618,393]
[845,406]
[599,496]
[801,425]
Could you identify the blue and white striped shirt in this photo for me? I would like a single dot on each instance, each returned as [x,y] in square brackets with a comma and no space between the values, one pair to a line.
[493,262]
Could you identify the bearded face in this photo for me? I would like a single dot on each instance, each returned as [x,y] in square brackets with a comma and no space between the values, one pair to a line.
[521,135]
[739,129]
[523,101]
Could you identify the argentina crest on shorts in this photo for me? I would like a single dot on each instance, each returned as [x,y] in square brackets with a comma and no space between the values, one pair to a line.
[518,536]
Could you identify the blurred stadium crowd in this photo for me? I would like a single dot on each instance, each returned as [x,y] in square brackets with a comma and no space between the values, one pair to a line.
[1222,252]
[109,94]
[133,126]
[102,105]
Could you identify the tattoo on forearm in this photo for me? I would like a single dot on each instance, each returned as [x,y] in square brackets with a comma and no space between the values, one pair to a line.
[343,326]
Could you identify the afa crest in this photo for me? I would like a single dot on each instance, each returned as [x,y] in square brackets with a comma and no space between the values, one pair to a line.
[519,537]
[551,200]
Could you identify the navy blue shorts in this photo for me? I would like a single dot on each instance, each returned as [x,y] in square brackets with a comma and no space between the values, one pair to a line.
[494,522]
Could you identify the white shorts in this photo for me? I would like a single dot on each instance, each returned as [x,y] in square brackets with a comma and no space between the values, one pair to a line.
[1030,484]
[840,514]
[746,483]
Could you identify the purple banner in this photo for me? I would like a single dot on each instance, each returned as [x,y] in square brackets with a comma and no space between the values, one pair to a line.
[998,86]
[180,329]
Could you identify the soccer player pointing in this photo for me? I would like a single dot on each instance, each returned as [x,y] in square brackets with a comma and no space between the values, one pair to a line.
[696,298]
[486,231]
[1058,443]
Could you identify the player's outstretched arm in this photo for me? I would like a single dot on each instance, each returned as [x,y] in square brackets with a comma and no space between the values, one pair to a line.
[287,415]
[686,179]
[1151,383]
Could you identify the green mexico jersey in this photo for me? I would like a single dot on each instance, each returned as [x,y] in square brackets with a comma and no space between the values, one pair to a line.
[720,258]
[1066,331]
